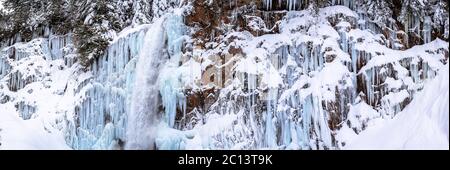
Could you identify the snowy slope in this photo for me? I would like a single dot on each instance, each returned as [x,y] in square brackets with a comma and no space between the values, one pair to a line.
[16,133]
[422,125]
[32,115]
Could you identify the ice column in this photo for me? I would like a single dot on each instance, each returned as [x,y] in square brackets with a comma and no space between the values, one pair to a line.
[101,115]
[271,137]
[169,81]
[427,30]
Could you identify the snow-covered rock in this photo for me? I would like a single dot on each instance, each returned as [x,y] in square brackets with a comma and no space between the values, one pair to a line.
[248,77]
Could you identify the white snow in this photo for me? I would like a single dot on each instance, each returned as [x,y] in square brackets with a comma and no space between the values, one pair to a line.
[129,30]
[272,78]
[422,125]
[200,137]
[361,115]
[48,94]
[392,83]
[36,133]
[19,134]
[247,65]
[215,124]
[338,9]
[323,30]
[1,5]
[393,56]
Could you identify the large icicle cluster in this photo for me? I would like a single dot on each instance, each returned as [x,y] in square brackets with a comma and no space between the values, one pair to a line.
[169,83]
[23,64]
[290,5]
[295,89]
[283,93]
[119,103]
[35,83]
[103,99]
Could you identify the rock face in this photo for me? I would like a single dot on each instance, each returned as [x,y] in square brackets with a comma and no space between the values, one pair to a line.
[334,42]
[231,74]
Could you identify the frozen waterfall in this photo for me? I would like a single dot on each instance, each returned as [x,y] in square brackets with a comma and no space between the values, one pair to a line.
[142,117]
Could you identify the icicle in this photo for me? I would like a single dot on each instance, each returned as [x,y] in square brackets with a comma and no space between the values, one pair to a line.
[321,122]
[307,109]
[271,137]
[103,112]
[427,30]
[170,85]
[4,67]
[268,4]
[251,101]
[289,5]
[354,56]
[415,70]
[175,33]
[26,111]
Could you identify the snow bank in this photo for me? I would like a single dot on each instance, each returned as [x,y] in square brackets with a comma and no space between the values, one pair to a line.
[422,125]
[19,134]
[33,115]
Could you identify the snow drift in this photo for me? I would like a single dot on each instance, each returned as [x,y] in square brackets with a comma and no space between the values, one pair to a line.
[422,125]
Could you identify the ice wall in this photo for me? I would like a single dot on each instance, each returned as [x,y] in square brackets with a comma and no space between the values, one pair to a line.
[326,65]
[170,86]
[119,106]
[100,114]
